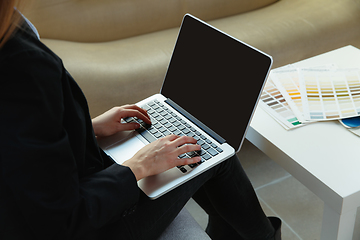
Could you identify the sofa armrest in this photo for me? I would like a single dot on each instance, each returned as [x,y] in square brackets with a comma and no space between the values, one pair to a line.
[184,227]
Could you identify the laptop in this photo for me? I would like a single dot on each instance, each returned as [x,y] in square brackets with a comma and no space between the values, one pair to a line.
[210,92]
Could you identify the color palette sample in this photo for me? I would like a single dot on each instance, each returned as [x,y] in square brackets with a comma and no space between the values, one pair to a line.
[273,102]
[353,122]
[297,96]
[287,81]
[330,94]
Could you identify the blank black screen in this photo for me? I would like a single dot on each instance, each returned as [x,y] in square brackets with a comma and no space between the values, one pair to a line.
[215,78]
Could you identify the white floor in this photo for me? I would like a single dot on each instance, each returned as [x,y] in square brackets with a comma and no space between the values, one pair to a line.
[280,195]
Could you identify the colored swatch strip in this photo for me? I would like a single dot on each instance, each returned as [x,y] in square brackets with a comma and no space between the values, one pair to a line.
[330,94]
[287,81]
[274,103]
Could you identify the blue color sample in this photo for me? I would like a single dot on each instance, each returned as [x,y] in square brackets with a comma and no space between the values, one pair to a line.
[351,122]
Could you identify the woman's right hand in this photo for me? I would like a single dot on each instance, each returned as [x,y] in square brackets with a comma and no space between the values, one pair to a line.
[161,155]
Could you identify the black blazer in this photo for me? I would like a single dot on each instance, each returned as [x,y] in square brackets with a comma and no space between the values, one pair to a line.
[55,182]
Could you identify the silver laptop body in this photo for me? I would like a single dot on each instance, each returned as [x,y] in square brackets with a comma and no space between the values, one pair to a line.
[210,92]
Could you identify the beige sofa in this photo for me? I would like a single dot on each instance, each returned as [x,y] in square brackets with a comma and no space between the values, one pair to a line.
[118,50]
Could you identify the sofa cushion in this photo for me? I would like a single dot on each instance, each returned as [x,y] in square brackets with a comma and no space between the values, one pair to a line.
[107,20]
[117,72]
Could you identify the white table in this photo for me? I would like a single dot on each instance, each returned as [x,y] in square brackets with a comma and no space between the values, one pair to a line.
[324,156]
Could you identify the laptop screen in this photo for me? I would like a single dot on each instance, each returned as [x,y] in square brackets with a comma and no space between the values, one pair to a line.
[216,78]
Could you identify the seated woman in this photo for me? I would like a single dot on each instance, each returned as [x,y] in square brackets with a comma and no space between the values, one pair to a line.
[55,181]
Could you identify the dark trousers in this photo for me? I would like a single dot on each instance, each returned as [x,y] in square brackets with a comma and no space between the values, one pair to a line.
[224,192]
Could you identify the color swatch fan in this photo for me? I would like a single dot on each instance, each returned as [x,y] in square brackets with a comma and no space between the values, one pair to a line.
[274,103]
[330,94]
[295,97]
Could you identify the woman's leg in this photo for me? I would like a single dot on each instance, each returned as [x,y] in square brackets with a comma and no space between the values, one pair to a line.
[232,205]
[217,227]
[225,188]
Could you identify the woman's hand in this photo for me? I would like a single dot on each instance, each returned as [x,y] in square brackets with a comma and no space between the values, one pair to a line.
[162,155]
[110,123]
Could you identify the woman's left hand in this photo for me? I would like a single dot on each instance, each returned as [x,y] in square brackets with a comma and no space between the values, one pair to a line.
[110,123]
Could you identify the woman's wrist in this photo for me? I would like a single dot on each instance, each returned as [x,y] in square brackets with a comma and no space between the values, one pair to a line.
[137,170]
[95,126]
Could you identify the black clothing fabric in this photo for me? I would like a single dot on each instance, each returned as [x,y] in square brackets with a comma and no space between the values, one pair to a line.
[55,182]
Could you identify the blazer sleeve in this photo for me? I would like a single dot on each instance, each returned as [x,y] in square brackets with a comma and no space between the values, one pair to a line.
[37,160]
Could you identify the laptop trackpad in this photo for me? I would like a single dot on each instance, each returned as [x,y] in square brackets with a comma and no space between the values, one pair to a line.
[125,148]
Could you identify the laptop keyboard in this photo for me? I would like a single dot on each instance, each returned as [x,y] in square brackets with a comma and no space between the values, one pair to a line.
[165,122]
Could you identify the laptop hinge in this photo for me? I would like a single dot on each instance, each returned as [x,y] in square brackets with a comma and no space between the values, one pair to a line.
[195,121]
